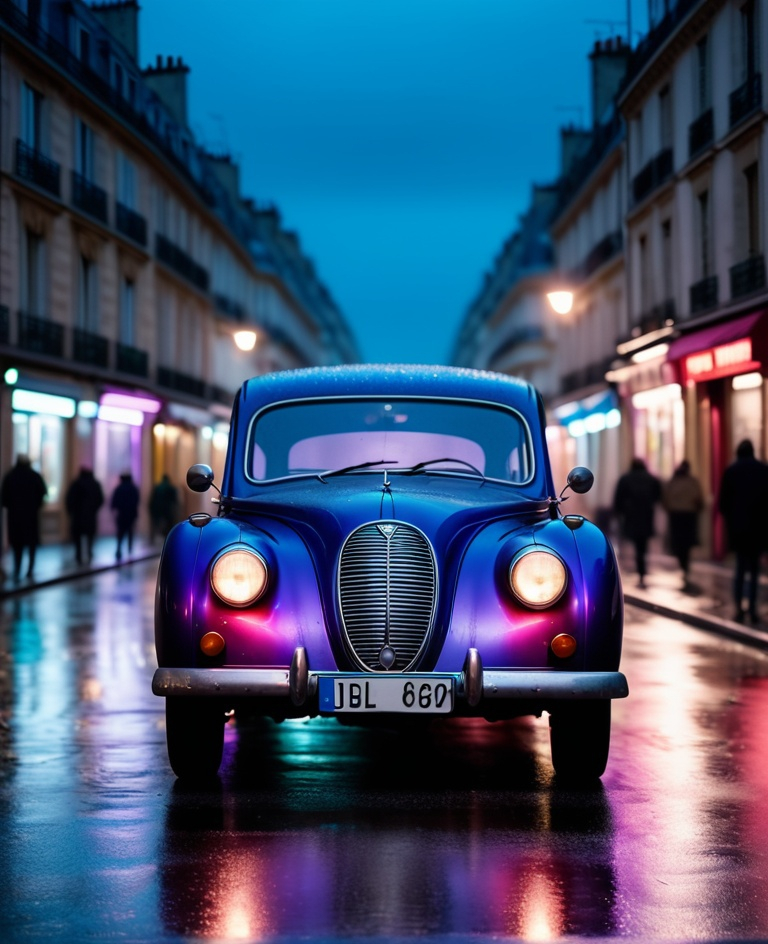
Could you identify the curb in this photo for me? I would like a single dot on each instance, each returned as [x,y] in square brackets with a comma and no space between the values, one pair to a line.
[65,576]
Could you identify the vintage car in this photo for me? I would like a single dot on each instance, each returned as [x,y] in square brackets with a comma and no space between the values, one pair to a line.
[388,545]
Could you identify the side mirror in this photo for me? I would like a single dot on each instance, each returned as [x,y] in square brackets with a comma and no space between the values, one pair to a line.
[580,480]
[199,477]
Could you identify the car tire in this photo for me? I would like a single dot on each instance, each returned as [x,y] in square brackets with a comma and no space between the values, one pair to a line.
[580,735]
[194,730]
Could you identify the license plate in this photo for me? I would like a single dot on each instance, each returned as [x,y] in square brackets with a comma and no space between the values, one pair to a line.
[410,694]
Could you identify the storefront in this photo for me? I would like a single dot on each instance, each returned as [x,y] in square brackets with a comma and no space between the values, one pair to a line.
[720,371]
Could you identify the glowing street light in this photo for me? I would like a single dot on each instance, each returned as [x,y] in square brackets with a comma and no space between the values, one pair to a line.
[560,301]
[245,340]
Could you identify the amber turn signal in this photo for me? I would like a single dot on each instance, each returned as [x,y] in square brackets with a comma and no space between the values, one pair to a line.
[212,644]
[563,646]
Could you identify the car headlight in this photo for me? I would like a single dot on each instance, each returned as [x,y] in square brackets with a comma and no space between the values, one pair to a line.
[538,578]
[239,577]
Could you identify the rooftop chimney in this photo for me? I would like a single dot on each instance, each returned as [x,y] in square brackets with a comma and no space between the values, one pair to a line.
[169,80]
[227,173]
[120,18]
[573,143]
[609,65]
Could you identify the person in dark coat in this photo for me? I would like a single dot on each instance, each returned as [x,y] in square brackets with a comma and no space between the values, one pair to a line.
[125,504]
[634,503]
[162,506]
[83,499]
[743,503]
[22,494]
[683,501]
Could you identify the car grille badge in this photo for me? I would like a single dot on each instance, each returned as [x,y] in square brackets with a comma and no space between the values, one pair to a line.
[387,657]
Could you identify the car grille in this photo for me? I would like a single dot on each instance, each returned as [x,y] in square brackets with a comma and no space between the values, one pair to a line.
[387,592]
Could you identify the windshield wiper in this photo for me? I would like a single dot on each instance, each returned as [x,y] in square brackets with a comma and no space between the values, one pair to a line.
[421,466]
[354,468]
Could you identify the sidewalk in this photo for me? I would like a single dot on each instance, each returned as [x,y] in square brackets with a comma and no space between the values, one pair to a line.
[56,562]
[706,603]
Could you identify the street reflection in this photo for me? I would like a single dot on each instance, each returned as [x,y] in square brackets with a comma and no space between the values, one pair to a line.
[378,833]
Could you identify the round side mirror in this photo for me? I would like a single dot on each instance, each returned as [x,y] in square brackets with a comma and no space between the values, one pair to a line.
[580,479]
[199,477]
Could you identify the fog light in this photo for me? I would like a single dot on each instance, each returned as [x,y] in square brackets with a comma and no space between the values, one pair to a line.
[562,646]
[212,644]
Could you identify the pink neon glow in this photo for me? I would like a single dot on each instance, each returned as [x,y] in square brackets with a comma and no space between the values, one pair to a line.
[130,402]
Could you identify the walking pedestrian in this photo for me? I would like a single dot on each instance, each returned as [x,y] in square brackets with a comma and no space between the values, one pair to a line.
[22,494]
[743,503]
[683,500]
[162,506]
[637,493]
[83,499]
[125,504]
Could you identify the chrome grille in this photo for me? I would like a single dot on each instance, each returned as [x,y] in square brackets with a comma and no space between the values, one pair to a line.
[387,592]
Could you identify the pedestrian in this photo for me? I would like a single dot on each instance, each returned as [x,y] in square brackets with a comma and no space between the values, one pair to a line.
[163,506]
[683,500]
[743,503]
[125,504]
[22,494]
[83,499]
[634,503]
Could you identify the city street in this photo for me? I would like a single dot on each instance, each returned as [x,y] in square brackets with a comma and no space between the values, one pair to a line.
[322,832]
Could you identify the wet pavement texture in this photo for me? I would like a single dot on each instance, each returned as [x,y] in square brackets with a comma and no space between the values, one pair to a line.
[316,831]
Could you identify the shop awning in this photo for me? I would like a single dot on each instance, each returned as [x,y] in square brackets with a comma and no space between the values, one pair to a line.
[713,337]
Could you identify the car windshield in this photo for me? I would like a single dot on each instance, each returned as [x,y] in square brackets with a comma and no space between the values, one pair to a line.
[370,435]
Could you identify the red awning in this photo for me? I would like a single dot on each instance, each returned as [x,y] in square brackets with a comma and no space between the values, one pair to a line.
[713,337]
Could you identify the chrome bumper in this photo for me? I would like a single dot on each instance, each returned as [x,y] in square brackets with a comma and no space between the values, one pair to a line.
[473,683]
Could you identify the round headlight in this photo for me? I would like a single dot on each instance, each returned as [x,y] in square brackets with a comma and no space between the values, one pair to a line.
[239,577]
[538,578]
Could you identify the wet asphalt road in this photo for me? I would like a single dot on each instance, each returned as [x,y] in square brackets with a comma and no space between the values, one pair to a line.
[320,832]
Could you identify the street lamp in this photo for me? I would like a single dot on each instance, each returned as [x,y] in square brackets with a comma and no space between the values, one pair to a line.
[560,301]
[245,340]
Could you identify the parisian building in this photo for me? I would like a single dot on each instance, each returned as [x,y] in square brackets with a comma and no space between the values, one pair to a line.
[659,236]
[132,269]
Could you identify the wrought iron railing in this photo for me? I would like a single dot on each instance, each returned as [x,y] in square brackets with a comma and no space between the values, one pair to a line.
[37,169]
[748,276]
[746,99]
[229,307]
[586,376]
[608,247]
[181,262]
[131,224]
[89,348]
[184,383]
[40,335]
[88,197]
[704,294]
[656,172]
[131,360]
[701,133]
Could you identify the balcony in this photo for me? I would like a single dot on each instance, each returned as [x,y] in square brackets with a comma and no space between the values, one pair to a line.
[746,99]
[748,276]
[183,383]
[229,307]
[88,348]
[40,335]
[37,169]
[701,133]
[608,247]
[182,263]
[130,360]
[656,172]
[660,316]
[586,376]
[131,224]
[89,198]
[704,294]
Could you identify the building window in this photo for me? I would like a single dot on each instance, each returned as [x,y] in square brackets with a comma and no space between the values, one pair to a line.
[32,282]
[752,194]
[703,76]
[119,78]
[665,118]
[126,181]
[749,41]
[31,117]
[87,309]
[704,234]
[84,46]
[84,150]
[666,259]
[127,313]
[644,276]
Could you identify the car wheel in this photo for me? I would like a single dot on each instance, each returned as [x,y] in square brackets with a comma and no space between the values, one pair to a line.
[194,729]
[579,735]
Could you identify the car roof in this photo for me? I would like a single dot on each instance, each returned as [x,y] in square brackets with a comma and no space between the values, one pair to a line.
[388,380]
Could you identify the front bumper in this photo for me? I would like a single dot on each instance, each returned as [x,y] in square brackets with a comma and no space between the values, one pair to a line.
[473,683]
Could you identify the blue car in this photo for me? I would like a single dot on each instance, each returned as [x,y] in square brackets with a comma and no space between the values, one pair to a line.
[388,546]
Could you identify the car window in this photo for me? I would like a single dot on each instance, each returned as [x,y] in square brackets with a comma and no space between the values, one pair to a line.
[322,435]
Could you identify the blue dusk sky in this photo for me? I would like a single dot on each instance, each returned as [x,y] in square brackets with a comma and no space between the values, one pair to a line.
[399,138]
